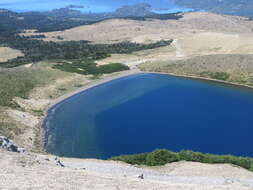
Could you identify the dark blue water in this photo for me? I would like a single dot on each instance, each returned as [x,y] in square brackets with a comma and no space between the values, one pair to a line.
[144,112]
[89,5]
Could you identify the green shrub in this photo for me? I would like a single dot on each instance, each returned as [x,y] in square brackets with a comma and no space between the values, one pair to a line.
[216,75]
[39,50]
[188,155]
[162,157]
[87,66]
[112,67]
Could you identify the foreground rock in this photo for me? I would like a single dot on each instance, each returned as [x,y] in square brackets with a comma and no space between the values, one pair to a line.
[8,145]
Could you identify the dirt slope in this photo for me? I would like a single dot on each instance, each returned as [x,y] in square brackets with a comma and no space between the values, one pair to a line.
[30,171]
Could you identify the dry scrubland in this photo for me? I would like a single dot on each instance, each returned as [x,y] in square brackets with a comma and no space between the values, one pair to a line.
[205,44]
[196,34]
[25,93]
[230,68]
[116,30]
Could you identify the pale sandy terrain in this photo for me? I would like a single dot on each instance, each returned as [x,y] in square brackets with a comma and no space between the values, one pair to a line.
[114,30]
[35,171]
[195,34]
[8,53]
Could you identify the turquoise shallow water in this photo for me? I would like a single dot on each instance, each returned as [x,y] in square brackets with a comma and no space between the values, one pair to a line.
[143,112]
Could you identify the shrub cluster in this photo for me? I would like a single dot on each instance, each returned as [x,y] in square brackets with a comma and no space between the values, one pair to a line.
[216,75]
[86,67]
[39,50]
[162,157]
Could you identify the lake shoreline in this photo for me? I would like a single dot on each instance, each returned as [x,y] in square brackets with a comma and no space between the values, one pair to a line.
[43,131]
[203,79]
[95,83]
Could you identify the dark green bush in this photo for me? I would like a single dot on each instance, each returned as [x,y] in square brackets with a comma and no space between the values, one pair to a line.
[39,50]
[216,75]
[113,67]
[87,66]
[162,157]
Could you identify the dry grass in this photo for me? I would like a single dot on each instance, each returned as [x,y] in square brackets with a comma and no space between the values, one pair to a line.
[238,68]
[8,53]
[25,92]
[115,30]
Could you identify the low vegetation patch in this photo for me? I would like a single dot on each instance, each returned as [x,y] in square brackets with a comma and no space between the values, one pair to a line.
[87,66]
[19,83]
[215,75]
[231,68]
[162,157]
[8,127]
[38,50]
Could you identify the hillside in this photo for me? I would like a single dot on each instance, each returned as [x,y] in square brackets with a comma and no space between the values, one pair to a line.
[196,34]
[196,38]
[62,63]
[192,24]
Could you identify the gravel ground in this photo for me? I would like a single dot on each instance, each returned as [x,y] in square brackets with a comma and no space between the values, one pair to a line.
[35,171]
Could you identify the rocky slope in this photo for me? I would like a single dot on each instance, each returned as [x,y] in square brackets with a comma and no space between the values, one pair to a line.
[36,171]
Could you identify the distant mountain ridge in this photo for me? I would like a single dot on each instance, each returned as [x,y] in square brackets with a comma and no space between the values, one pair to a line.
[233,7]
[136,10]
[68,17]
[141,9]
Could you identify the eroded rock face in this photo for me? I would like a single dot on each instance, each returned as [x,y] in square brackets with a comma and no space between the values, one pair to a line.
[8,145]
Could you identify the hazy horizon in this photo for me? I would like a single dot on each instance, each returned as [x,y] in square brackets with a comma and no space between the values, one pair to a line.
[89,5]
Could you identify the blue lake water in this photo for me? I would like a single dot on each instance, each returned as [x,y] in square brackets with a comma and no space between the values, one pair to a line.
[143,112]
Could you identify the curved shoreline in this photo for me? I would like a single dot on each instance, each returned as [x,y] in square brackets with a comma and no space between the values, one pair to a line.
[133,72]
[95,83]
[92,84]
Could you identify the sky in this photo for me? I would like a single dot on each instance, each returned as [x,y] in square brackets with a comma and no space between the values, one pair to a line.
[90,5]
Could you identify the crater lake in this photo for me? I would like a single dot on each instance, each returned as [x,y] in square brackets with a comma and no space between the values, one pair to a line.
[143,112]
